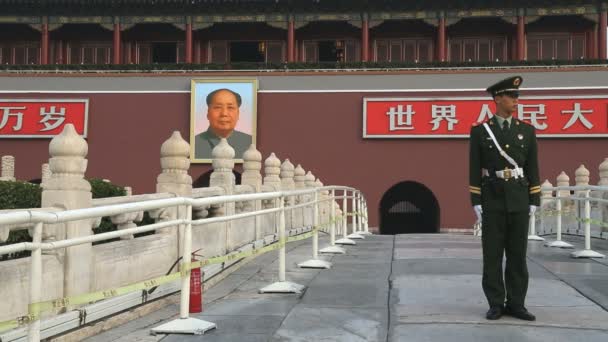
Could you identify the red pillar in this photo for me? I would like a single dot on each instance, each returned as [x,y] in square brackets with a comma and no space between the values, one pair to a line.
[116,44]
[204,52]
[44,43]
[521,38]
[291,53]
[188,58]
[59,52]
[197,51]
[441,40]
[365,40]
[602,33]
[594,42]
[134,53]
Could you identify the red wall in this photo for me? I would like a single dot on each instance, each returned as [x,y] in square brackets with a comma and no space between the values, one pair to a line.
[321,131]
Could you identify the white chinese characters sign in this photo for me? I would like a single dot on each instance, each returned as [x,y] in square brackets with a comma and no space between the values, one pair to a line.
[36,118]
[452,117]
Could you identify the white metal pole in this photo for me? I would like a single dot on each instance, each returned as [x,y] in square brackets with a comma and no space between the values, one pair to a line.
[542,218]
[282,239]
[332,248]
[365,225]
[558,242]
[532,225]
[185,324]
[587,221]
[186,259]
[344,214]
[35,283]
[360,217]
[354,212]
[366,218]
[315,227]
[558,206]
[587,252]
[332,218]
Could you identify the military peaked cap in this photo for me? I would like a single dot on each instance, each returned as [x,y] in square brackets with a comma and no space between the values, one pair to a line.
[508,85]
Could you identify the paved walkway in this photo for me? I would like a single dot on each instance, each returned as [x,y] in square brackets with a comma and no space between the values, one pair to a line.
[397,288]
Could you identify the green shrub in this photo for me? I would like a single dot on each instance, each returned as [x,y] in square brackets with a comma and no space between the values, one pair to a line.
[23,195]
[102,189]
[17,195]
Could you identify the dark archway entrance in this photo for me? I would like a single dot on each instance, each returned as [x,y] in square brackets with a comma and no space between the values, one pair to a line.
[203,180]
[409,207]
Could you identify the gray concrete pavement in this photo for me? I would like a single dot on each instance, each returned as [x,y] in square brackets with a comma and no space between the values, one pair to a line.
[397,288]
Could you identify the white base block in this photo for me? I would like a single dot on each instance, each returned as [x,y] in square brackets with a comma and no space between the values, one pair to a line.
[283,287]
[345,241]
[356,236]
[535,238]
[315,263]
[587,253]
[188,325]
[364,233]
[332,250]
[559,244]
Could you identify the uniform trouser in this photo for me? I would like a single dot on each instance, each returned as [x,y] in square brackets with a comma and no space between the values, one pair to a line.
[505,233]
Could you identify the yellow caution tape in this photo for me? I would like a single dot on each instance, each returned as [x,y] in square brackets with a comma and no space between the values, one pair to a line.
[35,309]
[568,214]
[15,323]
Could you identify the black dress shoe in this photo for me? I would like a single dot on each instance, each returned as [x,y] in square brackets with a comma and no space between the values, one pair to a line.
[522,314]
[495,313]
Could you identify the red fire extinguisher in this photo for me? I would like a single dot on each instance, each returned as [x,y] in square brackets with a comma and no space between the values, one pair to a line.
[196,288]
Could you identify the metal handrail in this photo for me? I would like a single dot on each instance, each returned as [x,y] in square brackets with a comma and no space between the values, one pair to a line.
[41,218]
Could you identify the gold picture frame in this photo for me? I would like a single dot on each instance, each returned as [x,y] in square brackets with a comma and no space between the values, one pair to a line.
[208,125]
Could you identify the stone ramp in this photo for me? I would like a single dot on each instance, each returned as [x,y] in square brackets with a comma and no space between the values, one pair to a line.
[395,288]
[437,295]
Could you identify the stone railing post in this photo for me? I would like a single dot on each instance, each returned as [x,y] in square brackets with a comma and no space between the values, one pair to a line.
[288,184]
[546,196]
[252,176]
[582,179]
[308,210]
[45,174]
[300,183]
[603,168]
[174,177]
[323,206]
[566,205]
[67,189]
[563,180]
[222,176]
[7,172]
[175,163]
[339,220]
[272,170]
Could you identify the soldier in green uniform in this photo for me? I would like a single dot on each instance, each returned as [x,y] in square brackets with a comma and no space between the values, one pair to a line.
[505,191]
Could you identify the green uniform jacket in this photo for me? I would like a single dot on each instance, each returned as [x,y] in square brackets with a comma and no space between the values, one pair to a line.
[496,194]
[205,142]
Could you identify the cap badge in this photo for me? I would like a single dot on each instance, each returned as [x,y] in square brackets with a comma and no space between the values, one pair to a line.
[516,81]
